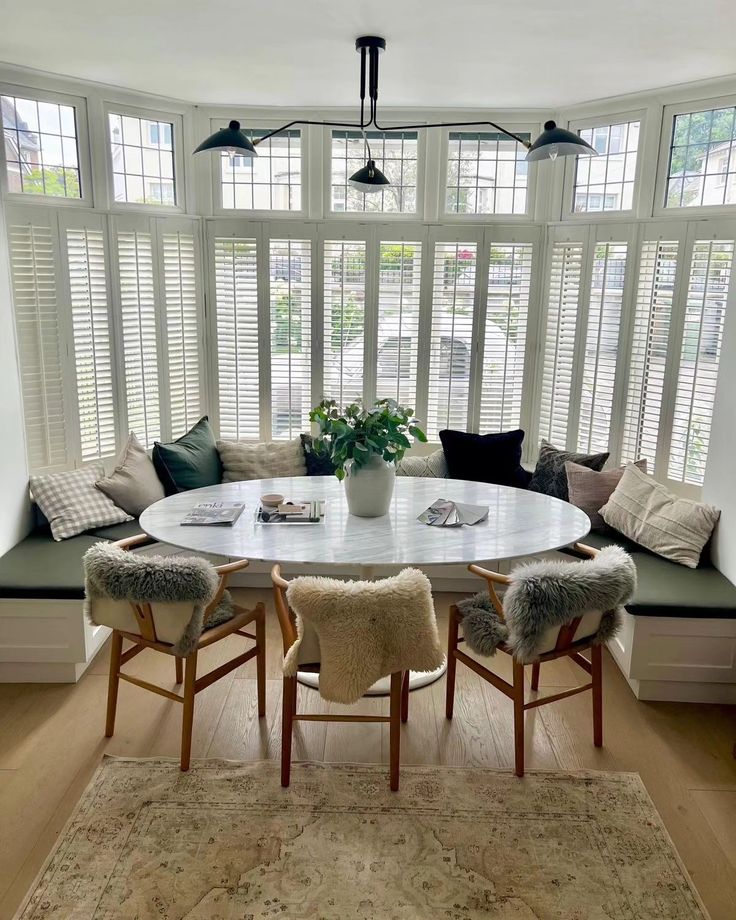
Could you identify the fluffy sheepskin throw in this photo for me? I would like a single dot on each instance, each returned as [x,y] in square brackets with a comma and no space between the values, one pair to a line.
[113,573]
[366,630]
[549,594]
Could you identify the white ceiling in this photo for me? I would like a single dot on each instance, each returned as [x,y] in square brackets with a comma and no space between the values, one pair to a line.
[474,53]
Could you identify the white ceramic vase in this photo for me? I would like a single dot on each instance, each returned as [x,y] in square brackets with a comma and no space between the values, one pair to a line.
[369,488]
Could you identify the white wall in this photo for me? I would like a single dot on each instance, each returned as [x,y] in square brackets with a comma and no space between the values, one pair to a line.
[14,503]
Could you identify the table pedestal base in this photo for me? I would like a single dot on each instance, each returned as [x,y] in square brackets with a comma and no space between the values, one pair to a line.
[382,687]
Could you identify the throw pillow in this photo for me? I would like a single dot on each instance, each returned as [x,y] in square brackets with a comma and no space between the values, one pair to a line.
[72,504]
[643,510]
[317,464]
[589,490]
[270,460]
[433,465]
[549,475]
[492,458]
[134,483]
[190,462]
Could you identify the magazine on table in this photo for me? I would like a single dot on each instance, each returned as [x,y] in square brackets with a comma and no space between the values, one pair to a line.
[292,512]
[447,513]
[224,514]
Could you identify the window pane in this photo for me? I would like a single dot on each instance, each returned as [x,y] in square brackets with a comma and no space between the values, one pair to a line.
[40,147]
[399,278]
[395,155]
[344,300]
[142,156]
[486,174]
[606,182]
[270,181]
[702,168]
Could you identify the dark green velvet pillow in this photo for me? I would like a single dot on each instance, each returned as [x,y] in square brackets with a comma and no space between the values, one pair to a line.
[191,462]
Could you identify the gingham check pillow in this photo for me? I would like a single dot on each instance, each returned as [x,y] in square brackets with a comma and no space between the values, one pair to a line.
[72,504]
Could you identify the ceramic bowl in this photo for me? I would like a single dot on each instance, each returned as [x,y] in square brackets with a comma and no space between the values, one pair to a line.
[272,500]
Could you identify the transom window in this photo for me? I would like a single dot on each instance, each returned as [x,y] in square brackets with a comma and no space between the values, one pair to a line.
[486,174]
[271,181]
[142,151]
[395,155]
[702,168]
[606,182]
[41,153]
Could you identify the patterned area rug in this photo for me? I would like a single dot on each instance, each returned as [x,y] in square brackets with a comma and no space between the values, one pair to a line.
[225,841]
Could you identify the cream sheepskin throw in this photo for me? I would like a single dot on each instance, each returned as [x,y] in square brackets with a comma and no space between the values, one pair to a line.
[366,630]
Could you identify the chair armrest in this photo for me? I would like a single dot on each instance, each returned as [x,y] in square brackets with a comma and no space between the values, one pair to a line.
[492,578]
[140,539]
[224,571]
[585,550]
[228,568]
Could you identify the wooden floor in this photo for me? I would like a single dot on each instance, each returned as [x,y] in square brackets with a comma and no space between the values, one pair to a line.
[51,741]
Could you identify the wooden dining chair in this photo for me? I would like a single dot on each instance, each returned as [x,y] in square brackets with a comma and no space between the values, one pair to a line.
[399,692]
[152,625]
[569,640]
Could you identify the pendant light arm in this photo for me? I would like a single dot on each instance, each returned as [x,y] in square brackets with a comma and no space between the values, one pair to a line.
[452,124]
[322,124]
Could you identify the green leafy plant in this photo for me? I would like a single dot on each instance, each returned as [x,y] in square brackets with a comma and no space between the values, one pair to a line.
[356,434]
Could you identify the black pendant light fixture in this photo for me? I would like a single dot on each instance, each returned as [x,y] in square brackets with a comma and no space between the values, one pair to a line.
[553,142]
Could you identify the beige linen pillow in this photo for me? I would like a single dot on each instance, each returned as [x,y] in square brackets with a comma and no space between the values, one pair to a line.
[433,466]
[590,490]
[134,484]
[241,460]
[649,514]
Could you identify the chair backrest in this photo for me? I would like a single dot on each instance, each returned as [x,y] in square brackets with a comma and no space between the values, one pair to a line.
[551,606]
[159,598]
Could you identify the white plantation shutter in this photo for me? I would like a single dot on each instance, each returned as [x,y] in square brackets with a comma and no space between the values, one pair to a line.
[566,263]
[705,310]
[601,346]
[399,282]
[236,295]
[33,275]
[453,311]
[648,351]
[504,340]
[89,296]
[290,303]
[138,323]
[344,319]
[181,308]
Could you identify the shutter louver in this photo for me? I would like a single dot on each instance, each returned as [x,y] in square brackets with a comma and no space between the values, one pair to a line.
[648,355]
[236,292]
[705,311]
[453,307]
[507,312]
[399,277]
[138,316]
[559,342]
[182,330]
[91,330]
[344,306]
[33,275]
[291,336]
[601,346]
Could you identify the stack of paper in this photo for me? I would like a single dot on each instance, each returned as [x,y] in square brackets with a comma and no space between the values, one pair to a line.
[446,513]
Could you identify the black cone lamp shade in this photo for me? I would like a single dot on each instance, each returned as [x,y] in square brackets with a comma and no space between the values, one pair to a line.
[230,139]
[368,179]
[556,142]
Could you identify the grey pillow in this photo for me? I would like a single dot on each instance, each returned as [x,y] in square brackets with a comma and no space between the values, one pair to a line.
[432,466]
[134,483]
[590,490]
[550,477]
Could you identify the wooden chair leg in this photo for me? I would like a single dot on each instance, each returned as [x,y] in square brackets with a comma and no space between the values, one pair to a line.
[596,661]
[535,676]
[395,730]
[179,669]
[116,650]
[518,718]
[261,661]
[187,721]
[452,635]
[405,697]
[288,707]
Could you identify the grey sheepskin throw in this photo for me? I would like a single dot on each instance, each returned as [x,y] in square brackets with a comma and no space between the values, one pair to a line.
[543,595]
[113,573]
[366,630]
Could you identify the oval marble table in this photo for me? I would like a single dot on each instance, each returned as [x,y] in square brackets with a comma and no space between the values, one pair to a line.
[519,523]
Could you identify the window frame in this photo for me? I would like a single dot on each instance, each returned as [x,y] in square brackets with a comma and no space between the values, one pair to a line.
[568,189]
[79,103]
[663,161]
[177,135]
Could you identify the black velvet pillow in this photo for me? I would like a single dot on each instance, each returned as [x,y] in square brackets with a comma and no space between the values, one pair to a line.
[317,464]
[550,475]
[190,462]
[492,458]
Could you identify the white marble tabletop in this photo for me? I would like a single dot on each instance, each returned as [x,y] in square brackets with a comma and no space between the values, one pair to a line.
[519,523]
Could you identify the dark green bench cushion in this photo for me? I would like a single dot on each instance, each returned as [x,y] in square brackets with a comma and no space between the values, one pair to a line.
[117,531]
